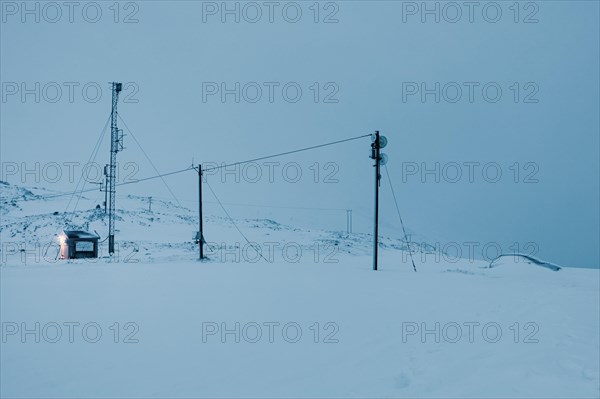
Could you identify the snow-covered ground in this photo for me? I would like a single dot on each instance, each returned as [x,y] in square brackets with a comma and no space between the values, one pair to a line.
[310,319]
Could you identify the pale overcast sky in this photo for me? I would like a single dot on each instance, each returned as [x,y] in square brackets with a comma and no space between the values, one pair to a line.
[488,89]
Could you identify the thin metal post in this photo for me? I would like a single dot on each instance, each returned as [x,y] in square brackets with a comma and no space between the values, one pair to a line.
[377,156]
[201,238]
[105,190]
[349,221]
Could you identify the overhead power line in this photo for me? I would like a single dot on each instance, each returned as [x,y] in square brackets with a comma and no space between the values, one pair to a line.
[95,189]
[155,177]
[303,208]
[161,175]
[284,153]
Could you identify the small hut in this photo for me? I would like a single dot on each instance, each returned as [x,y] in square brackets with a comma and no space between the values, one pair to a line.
[75,244]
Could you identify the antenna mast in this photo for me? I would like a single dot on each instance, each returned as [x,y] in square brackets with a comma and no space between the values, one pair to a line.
[377,143]
[116,145]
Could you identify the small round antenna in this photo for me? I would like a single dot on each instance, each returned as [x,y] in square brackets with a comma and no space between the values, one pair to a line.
[384,159]
[382,141]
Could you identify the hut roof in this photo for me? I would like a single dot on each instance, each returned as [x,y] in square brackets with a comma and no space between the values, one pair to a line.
[80,234]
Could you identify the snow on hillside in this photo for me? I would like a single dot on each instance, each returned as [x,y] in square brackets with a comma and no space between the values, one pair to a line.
[312,321]
[32,223]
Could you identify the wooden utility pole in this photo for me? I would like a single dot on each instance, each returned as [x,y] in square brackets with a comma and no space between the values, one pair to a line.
[201,235]
[376,155]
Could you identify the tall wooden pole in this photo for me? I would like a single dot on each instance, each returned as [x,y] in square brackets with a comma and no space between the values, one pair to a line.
[201,238]
[377,156]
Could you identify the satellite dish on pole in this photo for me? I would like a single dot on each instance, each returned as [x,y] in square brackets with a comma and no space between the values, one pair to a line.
[382,141]
[384,159]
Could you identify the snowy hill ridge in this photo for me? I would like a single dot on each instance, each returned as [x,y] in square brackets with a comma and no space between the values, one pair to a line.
[33,218]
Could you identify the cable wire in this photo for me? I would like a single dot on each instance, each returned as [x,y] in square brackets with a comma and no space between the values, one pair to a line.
[233,222]
[91,159]
[149,160]
[400,217]
[284,153]
[155,177]
[43,197]
[161,175]
[304,208]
